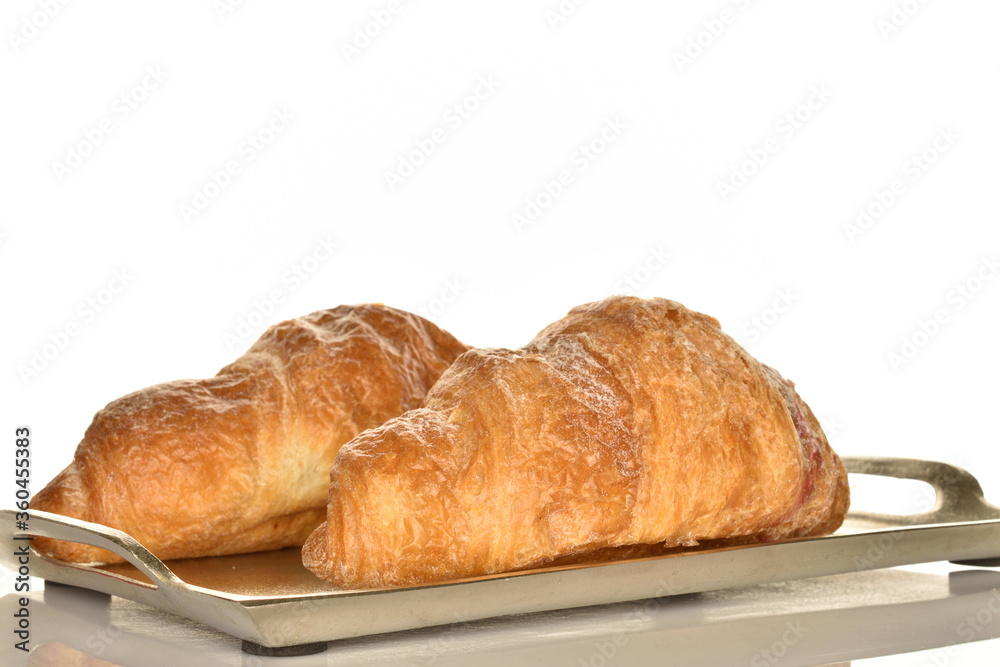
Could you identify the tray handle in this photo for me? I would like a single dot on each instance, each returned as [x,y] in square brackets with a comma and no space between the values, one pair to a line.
[46,524]
[959,496]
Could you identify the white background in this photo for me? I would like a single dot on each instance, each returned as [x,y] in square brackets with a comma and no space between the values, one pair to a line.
[892,79]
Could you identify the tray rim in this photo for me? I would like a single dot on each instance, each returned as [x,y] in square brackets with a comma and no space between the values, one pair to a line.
[333,593]
[961,518]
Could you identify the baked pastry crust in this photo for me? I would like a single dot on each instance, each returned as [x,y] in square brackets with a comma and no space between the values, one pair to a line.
[628,422]
[239,462]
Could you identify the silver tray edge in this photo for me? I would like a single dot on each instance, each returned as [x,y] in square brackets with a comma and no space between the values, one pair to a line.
[962,527]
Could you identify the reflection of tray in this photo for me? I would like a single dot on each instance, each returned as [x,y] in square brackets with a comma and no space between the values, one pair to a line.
[271,602]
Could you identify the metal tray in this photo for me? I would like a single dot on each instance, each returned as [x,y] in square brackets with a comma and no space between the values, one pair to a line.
[277,607]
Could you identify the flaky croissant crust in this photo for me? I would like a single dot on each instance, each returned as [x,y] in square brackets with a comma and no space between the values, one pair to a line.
[628,422]
[239,462]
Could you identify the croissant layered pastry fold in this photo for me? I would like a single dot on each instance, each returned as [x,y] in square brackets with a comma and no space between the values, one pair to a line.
[240,462]
[628,422]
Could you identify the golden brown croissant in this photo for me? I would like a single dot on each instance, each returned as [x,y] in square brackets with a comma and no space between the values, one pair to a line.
[628,422]
[240,462]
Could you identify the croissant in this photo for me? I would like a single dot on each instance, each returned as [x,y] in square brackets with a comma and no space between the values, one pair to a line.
[239,462]
[628,422]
